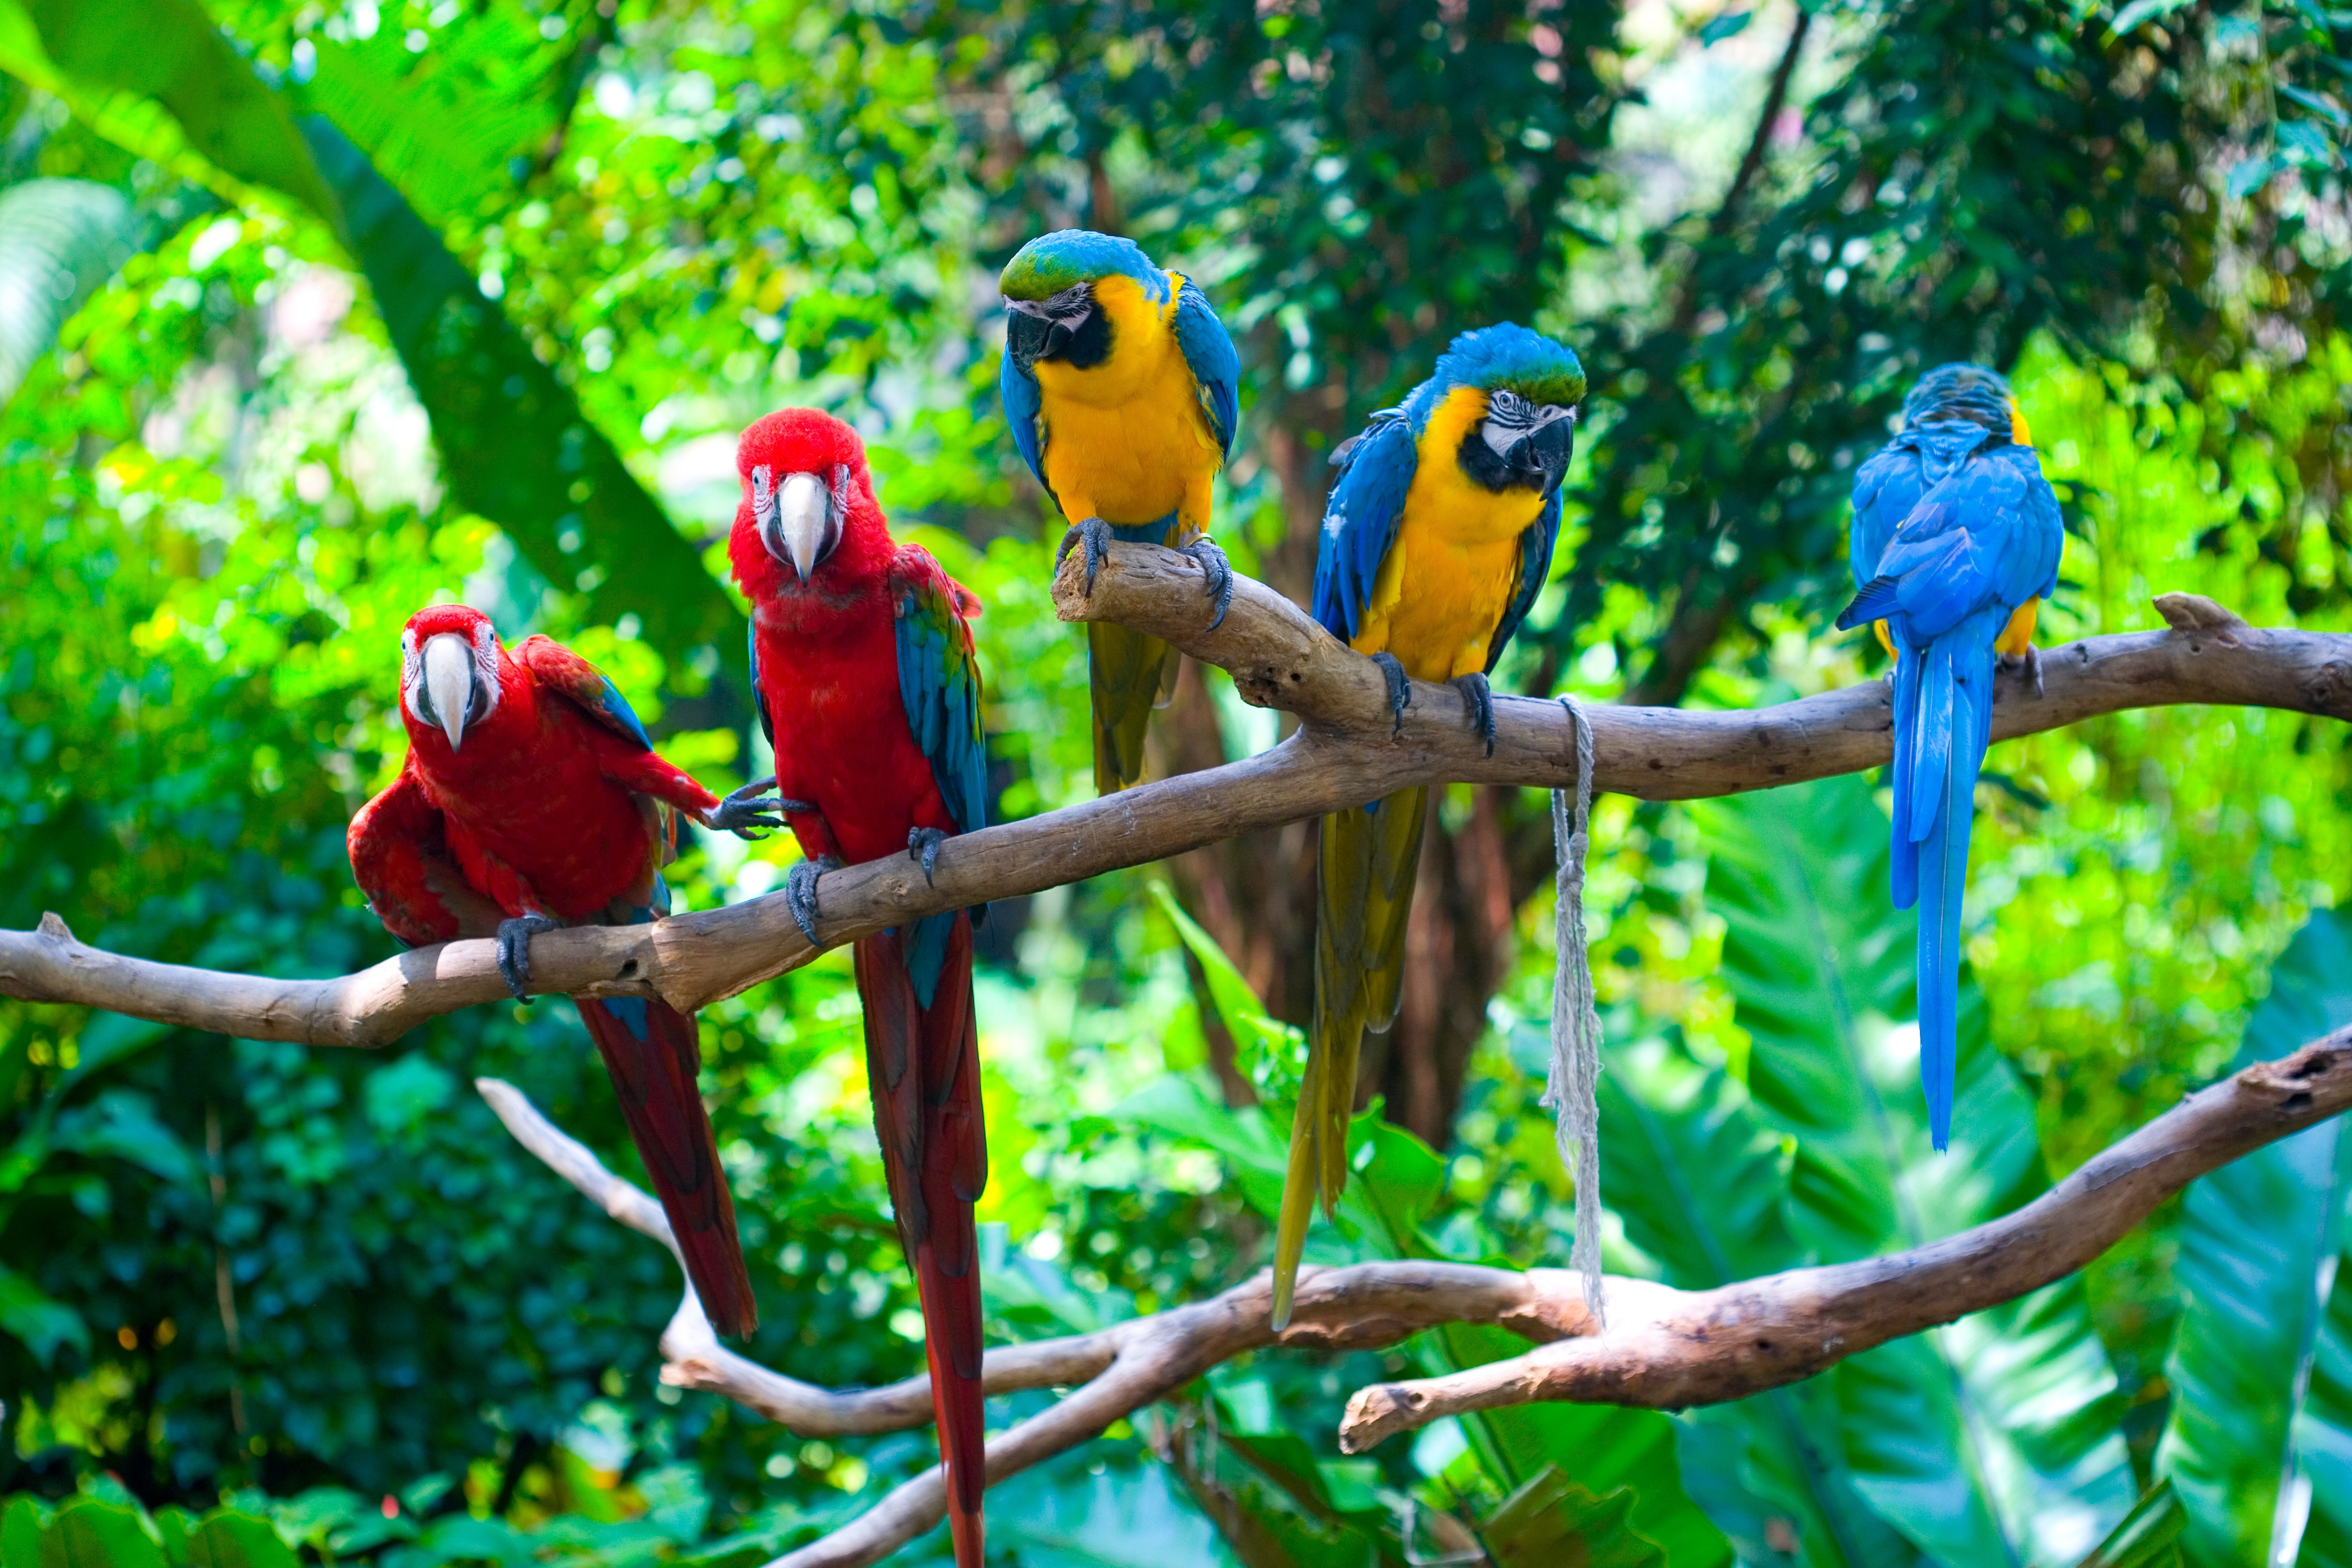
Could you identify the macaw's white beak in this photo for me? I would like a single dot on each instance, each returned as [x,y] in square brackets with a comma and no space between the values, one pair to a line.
[449,683]
[804,530]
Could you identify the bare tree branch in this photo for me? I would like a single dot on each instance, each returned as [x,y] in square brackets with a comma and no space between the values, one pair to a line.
[1664,1348]
[1346,751]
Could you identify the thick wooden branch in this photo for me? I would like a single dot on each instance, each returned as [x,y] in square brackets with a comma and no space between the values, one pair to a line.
[1348,751]
[1663,1348]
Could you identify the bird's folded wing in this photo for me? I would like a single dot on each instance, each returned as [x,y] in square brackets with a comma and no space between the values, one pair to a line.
[938,680]
[400,853]
[1360,521]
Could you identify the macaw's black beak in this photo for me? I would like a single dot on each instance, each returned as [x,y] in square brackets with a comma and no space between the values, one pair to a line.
[1546,449]
[1030,337]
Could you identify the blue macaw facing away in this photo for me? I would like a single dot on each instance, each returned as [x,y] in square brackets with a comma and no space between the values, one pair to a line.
[1436,540]
[1955,543]
[1123,391]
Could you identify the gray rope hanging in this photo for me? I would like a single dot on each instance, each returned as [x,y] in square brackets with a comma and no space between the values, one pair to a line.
[1572,1089]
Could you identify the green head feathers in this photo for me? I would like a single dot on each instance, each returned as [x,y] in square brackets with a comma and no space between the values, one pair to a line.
[1510,358]
[1053,262]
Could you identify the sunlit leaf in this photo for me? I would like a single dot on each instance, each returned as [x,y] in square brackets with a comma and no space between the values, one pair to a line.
[58,240]
[1994,1438]
[2148,1537]
[2259,1273]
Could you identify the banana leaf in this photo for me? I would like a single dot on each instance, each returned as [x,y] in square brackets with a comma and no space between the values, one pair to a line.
[515,446]
[1995,1439]
[2262,1406]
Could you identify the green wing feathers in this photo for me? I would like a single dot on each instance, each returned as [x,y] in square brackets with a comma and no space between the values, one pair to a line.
[1364,897]
[1129,675]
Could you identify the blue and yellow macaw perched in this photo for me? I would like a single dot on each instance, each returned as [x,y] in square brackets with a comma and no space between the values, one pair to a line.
[1123,391]
[1436,540]
[1955,543]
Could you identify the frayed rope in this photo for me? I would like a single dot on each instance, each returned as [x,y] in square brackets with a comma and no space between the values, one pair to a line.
[1572,1089]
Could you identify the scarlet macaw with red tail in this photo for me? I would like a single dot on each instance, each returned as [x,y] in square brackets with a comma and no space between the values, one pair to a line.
[532,799]
[870,692]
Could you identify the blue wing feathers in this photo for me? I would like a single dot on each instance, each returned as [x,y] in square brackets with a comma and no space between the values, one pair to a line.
[1534,566]
[1024,403]
[1981,539]
[1208,350]
[939,685]
[625,717]
[1361,523]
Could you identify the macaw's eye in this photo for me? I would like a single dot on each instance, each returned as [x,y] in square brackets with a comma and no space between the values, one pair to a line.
[1510,409]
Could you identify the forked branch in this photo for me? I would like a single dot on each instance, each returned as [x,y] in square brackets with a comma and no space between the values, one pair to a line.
[1664,1348]
[1346,751]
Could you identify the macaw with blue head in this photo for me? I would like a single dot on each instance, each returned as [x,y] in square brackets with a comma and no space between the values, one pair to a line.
[1436,539]
[1123,391]
[1955,543]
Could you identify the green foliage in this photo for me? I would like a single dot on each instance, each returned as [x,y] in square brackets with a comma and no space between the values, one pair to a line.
[60,240]
[488,397]
[2257,1360]
[469,298]
[2149,1535]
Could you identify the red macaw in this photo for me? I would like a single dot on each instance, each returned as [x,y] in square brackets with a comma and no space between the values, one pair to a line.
[870,689]
[532,799]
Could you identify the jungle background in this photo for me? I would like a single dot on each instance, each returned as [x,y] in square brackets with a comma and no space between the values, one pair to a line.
[312,313]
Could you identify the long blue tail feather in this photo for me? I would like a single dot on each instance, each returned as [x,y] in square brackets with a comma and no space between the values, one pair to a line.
[1907,727]
[1942,859]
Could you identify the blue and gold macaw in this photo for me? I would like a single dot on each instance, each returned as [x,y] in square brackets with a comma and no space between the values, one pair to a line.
[1123,391]
[1436,540]
[1955,543]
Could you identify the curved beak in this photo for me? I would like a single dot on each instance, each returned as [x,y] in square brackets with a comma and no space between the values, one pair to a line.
[801,527]
[1030,334]
[449,683]
[1546,446]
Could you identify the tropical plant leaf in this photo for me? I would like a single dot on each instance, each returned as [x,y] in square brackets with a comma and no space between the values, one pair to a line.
[169,52]
[60,240]
[41,1323]
[453,123]
[89,1532]
[2262,1320]
[1398,1179]
[515,446]
[1994,1439]
[2149,1536]
[1131,1517]
[1551,1521]
[1701,1184]
[20,1531]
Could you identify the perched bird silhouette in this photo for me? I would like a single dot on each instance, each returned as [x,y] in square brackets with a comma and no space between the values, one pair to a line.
[1123,391]
[1956,542]
[532,799]
[1436,540]
[869,689]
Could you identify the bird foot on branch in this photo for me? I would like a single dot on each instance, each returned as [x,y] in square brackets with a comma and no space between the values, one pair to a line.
[1096,535]
[1479,698]
[751,808]
[2029,664]
[514,950]
[1400,688]
[799,894]
[1220,573]
[923,844]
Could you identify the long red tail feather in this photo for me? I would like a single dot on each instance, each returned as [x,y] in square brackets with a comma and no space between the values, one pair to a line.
[924,1064]
[653,1055]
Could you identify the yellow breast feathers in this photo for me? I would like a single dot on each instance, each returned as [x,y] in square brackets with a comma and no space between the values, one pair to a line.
[1126,440]
[1447,581]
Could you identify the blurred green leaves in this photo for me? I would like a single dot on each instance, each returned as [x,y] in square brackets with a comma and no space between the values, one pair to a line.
[514,443]
[58,241]
[2259,1418]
